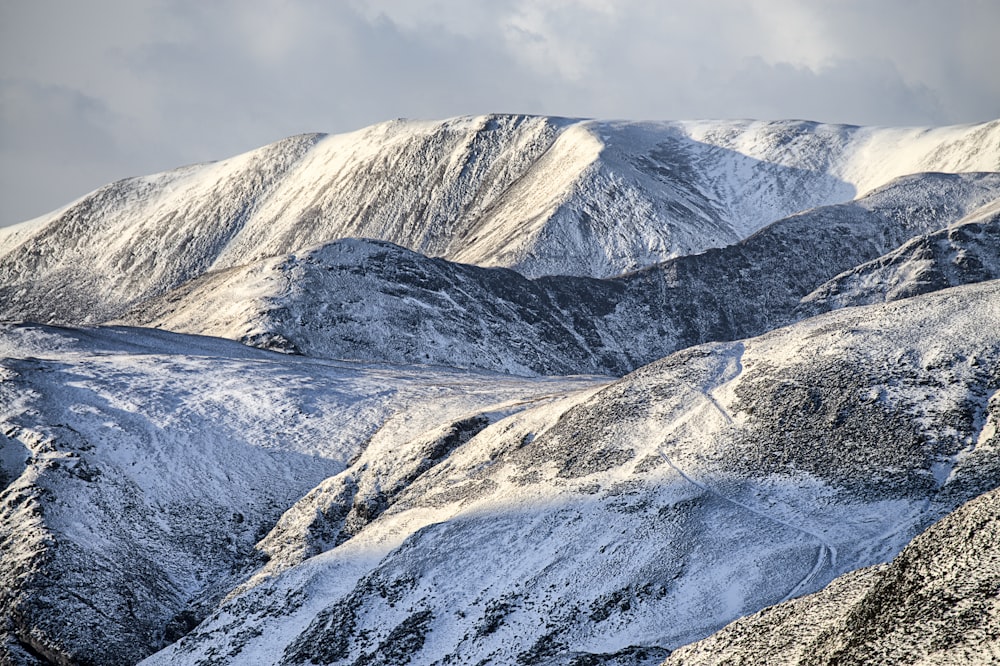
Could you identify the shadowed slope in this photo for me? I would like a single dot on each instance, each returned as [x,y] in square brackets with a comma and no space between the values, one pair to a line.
[372,300]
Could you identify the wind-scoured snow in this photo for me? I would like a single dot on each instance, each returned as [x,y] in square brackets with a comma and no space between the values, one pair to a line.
[637,518]
[139,469]
[540,195]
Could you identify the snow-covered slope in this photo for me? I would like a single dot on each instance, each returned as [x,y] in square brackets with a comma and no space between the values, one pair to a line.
[541,195]
[718,481]
[376,301]
[967,251]
[936,603]
[273,508]
[139,468]
[134,237]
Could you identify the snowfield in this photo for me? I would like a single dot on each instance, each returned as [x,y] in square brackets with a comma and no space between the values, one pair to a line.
[934,603]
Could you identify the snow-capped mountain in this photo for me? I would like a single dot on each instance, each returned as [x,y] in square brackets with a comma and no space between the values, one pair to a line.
[376,301]
[808,314]
[540,195]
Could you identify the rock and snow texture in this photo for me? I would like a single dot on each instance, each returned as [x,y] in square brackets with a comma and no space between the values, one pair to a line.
[373,300]
[937,602]
[965,252]
[192,500]
[540,195]
[634,519]
[140,468]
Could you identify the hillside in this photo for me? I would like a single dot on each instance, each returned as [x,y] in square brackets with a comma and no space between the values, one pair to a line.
[139,469]
[706,486]
[965,252]
[376,301]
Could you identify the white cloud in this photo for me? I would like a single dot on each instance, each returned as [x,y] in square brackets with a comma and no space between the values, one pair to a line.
[172,82]
[557,37]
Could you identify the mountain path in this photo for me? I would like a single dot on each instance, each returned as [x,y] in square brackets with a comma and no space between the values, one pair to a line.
[826,552]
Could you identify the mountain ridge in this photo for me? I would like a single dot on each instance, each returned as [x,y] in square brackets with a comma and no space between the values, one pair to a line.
[376,301]
[147,465]
[964,252]
[605,198]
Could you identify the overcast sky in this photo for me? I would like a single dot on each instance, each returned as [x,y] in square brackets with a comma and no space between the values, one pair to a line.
[99,90]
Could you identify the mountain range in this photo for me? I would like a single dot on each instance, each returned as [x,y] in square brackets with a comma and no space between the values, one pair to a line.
[512,390]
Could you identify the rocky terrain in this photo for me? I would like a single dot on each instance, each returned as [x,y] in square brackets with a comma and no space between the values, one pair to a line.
[549,391]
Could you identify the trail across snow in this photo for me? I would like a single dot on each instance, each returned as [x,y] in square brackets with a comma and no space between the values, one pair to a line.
[826,552]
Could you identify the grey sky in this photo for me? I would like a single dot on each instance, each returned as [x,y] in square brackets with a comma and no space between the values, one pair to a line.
[99,90]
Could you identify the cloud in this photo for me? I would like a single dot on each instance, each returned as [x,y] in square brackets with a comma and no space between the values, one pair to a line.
[53,135]
[840,89]
[128,88]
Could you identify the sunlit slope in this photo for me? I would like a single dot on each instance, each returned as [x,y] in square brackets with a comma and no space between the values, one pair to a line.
[138,469]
